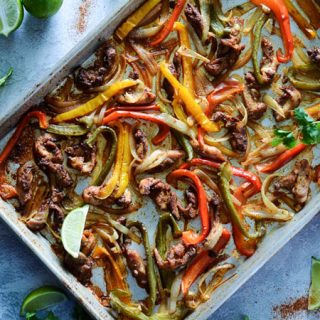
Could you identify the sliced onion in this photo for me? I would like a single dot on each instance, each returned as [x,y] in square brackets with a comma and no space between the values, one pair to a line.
[267,202]
[174,293]
[252,20]
[243,110]
[146,57]
[101,114]
[214,235]
[217,273]
[142,33]
[207,180]
[197,42]
[107,233]
[64,105]
[152,161]
[214,140]
[133,148]
[186,52]
[258,212]
[273,104]
[203,85]
[176,124]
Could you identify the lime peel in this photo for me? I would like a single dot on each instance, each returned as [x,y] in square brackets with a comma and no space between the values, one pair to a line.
[72,230]
[314,293]
[11,16]
[42,298]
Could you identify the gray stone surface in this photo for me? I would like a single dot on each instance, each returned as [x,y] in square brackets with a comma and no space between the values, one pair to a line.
[33,50]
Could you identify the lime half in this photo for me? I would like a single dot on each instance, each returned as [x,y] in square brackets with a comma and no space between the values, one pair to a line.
[42,8]
[72,230]
[11,16]
[41,299]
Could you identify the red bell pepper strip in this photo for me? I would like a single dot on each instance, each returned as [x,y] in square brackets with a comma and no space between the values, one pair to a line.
[225,91]
[239,172]
[280,10]
[201,263]
[280,161]
[168,27]
[163,128]
[245,246]
[132,108]
[43,122]
[190,237]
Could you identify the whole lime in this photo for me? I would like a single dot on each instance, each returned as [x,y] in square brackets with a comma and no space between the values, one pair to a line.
[42,8]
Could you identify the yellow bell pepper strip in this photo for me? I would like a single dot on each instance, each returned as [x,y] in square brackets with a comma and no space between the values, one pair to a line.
[186,61]
[165,31]
[107,189]
[43,123]
[125,174]
[135,19]
[191,105]
[227,152]
[96,102]
[178,111]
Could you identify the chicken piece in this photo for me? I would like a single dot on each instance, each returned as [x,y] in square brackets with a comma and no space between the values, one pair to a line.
[229,49]
[194,18]
[239,140]
[141,143]
[125,200]
[132,97]
[207,151]
[178,256]
[298,181]
[49,158]
[81,157]
[161,194]
[88,78]
[172,157]
[269,63]
[37,221]
[137,266]
[314,55]
[252,96]
[191,209]
[289,100]
[25,182]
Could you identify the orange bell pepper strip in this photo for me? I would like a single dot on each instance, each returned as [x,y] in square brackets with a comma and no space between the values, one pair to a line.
[96,102]
[191,105]
[163,127]
[239,172]
[224,91]
[278,7]
[188,81]
[202,262]
[281,160]
[168,27]
[43,123]
[190,237]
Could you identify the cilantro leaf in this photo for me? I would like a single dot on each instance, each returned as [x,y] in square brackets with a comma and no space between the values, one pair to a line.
[285,137]
[302,117]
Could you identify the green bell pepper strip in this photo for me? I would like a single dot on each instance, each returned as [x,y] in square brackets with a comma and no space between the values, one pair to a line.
[134,311]
[216,24]
[166,220]
[113,149]
[256,47]
[305,77]
[151,273]
[182,140]
[225,176]
[67,129]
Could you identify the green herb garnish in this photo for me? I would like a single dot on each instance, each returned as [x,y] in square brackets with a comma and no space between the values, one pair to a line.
[308,128]
[5,78]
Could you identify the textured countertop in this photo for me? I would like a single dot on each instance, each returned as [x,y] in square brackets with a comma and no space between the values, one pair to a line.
[33,50]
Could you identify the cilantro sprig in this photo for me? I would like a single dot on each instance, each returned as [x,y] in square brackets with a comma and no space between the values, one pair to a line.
[308,130]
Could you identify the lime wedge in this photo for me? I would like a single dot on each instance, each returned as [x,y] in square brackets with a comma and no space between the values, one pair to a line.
[42,298]
[314,292]
[11,16]
[72,229]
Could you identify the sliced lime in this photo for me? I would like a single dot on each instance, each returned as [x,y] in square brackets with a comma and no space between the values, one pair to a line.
[11,16]
[314,293]
[42,298]
[72,229]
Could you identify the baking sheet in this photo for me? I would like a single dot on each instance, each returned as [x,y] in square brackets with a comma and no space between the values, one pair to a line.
[271,244]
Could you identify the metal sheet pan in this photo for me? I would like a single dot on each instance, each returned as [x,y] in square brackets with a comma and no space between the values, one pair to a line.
[41,247]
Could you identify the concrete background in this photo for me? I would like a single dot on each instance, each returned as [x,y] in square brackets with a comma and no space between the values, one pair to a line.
[33,50]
